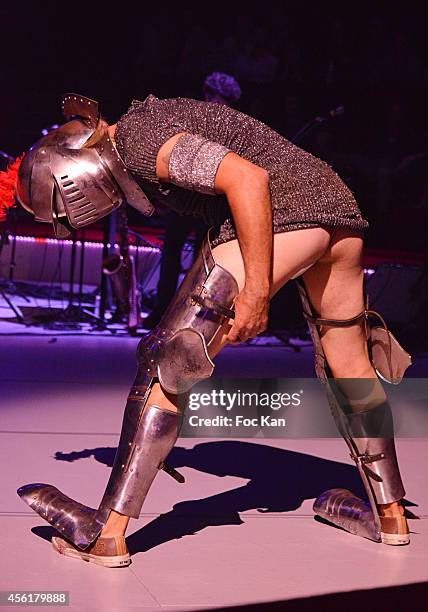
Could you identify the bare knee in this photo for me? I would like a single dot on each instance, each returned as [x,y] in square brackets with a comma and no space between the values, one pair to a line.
[346,351]
[345,250]
[170,401]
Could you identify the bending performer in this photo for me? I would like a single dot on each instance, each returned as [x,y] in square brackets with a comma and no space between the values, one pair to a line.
[276,213]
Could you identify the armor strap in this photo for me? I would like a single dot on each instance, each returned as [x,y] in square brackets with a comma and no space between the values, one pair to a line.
[335,322]
[168,469]
[364,314]
[366,458]
[207,302]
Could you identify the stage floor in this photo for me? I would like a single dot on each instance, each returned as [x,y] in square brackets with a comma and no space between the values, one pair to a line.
[240,530]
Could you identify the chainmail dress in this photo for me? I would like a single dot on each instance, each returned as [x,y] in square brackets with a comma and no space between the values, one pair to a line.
[305,191]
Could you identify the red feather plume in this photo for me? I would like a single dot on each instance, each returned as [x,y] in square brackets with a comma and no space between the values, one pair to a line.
[8,186]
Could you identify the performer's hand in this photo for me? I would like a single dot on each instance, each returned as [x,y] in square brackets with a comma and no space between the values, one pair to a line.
[251,315]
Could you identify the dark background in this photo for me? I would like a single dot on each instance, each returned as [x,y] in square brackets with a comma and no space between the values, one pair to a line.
[294,61]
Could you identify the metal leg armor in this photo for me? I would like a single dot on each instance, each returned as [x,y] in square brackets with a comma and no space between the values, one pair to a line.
[364,419]
[175,353]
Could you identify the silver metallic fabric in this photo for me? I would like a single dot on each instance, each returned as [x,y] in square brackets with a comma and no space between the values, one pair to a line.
[62,183]
[364,419]
[305,191]
[343,508]
[194,162]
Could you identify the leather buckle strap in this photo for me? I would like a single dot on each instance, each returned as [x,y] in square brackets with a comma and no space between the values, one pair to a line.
[336,322]
[207,302]
[366,313]
[366,458]
[172,472]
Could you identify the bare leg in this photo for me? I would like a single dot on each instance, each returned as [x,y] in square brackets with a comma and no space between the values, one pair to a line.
[292,253]
[335,288]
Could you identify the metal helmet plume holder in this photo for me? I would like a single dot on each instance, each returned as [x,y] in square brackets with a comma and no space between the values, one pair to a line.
[75,105]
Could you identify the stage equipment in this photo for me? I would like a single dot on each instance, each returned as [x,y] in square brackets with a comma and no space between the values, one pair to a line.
[121,269]
[308,127]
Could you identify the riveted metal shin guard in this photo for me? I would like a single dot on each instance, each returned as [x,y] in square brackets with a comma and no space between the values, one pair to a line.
[175,353]
[148,435]
[364,419]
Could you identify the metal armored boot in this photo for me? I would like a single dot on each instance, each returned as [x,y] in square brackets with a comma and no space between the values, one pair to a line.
[363,416]
[175,354]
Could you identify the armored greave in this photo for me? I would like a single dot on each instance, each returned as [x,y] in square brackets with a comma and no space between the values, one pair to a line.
[363,416]
[175,353]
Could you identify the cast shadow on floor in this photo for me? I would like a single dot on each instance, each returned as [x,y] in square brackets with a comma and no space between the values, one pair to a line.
[278,481]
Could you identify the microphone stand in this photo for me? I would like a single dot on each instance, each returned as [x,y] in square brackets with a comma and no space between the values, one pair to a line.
[8,285]
[315,122]
[75,313]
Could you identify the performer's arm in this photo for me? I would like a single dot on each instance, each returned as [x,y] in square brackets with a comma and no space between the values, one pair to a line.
[246,187]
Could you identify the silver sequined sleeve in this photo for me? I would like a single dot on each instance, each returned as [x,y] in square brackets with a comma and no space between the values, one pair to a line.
[194,161]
